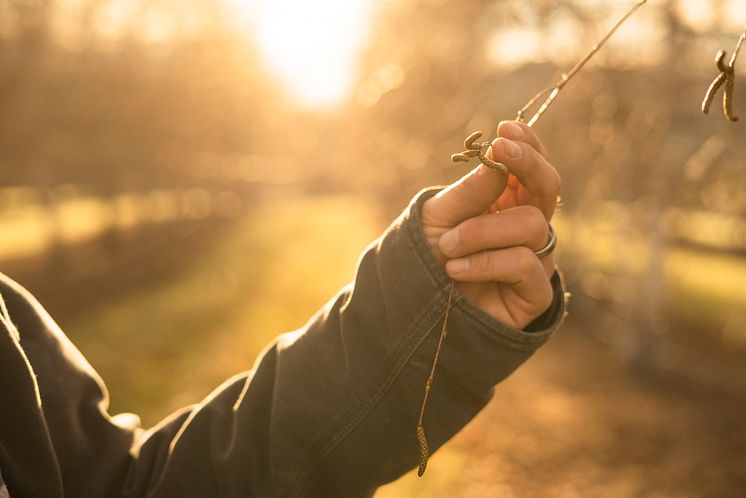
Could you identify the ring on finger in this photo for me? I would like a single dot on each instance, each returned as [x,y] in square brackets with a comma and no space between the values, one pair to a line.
[549,248]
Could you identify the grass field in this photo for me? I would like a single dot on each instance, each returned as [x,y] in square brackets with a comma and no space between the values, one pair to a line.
[704,290]
[169,344]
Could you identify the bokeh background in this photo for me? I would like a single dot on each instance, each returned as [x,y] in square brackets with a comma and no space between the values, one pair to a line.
[183,180]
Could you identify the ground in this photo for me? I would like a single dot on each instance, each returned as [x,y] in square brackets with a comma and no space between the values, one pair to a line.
[574,422]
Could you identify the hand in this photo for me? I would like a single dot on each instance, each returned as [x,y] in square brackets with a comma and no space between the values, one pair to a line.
[486,227]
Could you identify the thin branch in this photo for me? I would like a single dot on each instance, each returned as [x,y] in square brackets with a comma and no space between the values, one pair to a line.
[474,149]
[421,438]
[555,89]
[738,48]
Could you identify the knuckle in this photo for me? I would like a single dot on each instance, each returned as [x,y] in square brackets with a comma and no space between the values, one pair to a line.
[525,260]
[540,235]
[556,182]
[483,262]
[542,149]
[536,226]
[470,231]
[544,295]
[535,217]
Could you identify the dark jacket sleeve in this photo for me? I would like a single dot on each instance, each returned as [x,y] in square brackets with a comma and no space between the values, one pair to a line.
[56,437]
[328,411]
[331,410]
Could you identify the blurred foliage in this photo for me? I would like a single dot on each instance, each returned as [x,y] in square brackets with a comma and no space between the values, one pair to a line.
[127,115]
[174,101]
[627,136]
[441,77]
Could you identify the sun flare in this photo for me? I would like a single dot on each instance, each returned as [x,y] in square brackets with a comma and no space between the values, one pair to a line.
[312,47]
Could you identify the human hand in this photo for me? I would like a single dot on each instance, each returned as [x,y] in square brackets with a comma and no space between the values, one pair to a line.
[486,226]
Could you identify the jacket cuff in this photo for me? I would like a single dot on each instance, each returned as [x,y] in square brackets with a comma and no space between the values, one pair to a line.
[533,335]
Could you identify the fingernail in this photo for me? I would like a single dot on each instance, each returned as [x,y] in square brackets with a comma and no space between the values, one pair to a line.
[511,129]
[449,241]
[512,149]
[456,266]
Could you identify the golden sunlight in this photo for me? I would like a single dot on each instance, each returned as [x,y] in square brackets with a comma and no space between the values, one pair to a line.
[311,46]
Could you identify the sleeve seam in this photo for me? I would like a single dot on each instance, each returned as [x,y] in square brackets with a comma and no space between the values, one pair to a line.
[374,391]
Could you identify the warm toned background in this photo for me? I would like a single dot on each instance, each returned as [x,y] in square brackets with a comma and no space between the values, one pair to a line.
[184,179]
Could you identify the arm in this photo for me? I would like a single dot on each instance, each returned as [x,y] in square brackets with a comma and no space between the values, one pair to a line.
[331,410]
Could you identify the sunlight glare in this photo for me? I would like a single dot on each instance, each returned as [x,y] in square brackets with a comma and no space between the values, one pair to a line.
[311,46]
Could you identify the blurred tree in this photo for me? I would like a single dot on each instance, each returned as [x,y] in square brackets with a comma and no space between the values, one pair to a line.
[124,113]
[627,135]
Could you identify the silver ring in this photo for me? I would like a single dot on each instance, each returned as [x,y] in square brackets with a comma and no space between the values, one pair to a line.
[547,250]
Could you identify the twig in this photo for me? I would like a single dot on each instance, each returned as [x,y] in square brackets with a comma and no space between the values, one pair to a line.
[421,439]
[738,48]
[727,76]
[555,89]
[474,149]
[552,90]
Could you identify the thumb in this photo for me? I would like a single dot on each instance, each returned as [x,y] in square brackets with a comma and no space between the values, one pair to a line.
[470,196]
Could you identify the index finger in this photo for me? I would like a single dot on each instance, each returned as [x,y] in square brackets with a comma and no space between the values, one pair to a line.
[534,172]
[475,192]
[515,130]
